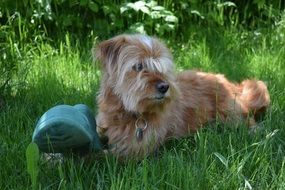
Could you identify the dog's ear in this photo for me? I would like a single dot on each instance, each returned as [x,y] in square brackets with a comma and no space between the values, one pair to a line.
[107,51]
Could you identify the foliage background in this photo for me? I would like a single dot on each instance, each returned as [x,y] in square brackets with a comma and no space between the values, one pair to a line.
[26,24]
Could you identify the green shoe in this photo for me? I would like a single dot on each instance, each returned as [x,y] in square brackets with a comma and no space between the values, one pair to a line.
[67,128]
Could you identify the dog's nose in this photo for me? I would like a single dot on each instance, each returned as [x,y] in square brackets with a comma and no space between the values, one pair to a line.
[162,87]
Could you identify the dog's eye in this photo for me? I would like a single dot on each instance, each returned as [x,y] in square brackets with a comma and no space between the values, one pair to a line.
[138,67]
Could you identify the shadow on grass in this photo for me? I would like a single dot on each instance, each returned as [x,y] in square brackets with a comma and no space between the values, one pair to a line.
[228,54]
[215,50]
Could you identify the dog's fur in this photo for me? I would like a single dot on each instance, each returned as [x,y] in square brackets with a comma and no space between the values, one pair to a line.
[133,66]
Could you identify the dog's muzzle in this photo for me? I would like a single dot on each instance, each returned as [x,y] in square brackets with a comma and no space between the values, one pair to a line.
[162,87]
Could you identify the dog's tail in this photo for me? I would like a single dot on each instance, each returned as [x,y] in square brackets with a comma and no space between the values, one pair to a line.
[256,97]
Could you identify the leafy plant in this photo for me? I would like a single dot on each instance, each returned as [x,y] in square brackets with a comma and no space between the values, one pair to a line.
[150,16]
[32,156]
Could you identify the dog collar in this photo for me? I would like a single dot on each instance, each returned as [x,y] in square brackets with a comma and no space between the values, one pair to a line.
[139,129]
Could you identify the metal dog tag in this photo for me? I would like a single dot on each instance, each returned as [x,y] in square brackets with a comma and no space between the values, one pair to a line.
[139,130]
[139,134]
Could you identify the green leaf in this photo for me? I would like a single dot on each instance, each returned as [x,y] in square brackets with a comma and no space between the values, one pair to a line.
[151,4]
[93,6]
[128,6]
[229,4]
[83,2]
[158,8]
[171,18]
[145,10]
[195,12]
[139,5]
[138,27]
[123,9]
[32,156]
[222,159]
[155,15]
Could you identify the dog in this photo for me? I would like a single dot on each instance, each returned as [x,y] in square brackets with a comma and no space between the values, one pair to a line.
[142,102]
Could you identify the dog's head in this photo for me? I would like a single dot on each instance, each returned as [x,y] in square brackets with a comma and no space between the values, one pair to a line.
[139,70]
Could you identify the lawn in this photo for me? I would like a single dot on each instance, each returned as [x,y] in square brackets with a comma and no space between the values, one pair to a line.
[217,157]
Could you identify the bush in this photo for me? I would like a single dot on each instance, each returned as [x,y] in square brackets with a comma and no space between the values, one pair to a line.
[162,18]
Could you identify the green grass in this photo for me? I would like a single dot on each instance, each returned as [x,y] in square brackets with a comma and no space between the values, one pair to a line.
[220,157]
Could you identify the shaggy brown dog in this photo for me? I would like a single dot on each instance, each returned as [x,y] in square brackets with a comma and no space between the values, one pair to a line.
[142,102]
